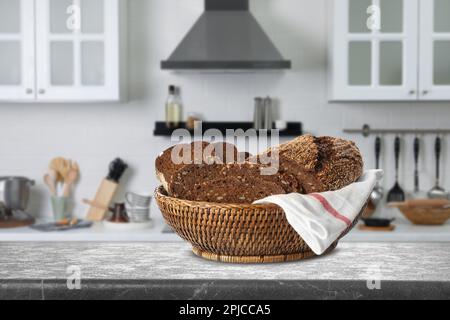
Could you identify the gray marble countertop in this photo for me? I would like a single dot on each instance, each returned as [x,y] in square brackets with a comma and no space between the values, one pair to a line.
[170,270]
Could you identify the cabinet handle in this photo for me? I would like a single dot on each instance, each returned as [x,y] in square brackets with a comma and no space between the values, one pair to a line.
[411,92]
[29,91]
[425,92]
[41,91]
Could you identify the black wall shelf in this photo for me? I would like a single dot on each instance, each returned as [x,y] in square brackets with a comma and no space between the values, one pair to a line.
[294,129]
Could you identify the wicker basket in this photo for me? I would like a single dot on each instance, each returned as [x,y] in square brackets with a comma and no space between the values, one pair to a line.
[426,215]
[233,232]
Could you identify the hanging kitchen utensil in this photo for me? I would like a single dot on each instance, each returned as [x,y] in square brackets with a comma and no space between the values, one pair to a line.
[437,192]
[396,194]
[416,163]
[377,193]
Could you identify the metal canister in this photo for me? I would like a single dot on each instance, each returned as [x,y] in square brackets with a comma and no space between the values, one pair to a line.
[258,115]
[268,115]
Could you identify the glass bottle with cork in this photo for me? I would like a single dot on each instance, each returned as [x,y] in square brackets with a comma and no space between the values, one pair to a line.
[173,108]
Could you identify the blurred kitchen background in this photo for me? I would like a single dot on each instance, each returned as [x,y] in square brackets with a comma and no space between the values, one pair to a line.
[96,94]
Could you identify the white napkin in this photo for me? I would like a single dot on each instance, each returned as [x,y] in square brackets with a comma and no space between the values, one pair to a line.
[321,218]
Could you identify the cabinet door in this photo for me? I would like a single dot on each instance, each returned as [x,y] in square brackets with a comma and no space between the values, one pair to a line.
[17,50]
[374,61]
[435,50]
[77,50]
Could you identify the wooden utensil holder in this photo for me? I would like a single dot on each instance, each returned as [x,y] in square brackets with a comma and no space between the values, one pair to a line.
[99,206]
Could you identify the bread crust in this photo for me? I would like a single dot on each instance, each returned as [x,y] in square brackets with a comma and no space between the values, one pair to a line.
[320,163]
[341,162]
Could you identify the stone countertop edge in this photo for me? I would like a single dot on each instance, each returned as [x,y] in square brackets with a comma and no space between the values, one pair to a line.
[171,271]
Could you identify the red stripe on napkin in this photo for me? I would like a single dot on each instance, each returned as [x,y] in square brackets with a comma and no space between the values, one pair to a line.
[328,207]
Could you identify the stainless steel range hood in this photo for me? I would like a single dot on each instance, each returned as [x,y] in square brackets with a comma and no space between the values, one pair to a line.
[226,37]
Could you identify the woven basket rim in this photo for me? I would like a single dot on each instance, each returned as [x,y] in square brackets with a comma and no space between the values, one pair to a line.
[161,193]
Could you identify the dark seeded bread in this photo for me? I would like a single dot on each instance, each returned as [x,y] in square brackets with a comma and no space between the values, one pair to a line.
[164,165]
[232,190]
[222,152]
[340,163]
[320,163]
[244,180]
[307,164]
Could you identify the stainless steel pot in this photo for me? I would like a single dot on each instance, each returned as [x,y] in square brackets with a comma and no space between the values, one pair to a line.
[15,192]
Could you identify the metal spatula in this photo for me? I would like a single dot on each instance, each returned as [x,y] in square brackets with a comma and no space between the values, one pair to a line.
[396,194]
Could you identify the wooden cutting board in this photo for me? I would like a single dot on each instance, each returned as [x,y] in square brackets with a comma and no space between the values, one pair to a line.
[15,223]
[377,229]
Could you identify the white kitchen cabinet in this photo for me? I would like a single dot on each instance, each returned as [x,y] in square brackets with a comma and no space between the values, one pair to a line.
[406,57]
[69,51]
[434,76]
[17,61]
[378,63]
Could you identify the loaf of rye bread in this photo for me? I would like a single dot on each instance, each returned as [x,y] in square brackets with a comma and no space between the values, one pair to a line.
[319,163]
[198,152]
[228,183]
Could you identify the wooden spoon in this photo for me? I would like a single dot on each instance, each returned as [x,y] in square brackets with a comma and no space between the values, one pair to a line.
[57,165]
[50,181]
[71,178]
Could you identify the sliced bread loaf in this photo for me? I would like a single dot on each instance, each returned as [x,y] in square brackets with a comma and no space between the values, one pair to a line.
[231,190]
[234,183]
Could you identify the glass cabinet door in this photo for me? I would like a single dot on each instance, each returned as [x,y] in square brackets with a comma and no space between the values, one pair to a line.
[78,50]
[374,50]
[16,50]
[435,50]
